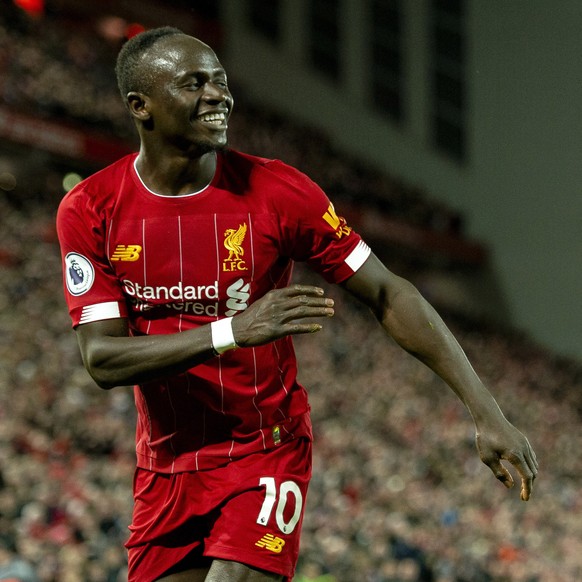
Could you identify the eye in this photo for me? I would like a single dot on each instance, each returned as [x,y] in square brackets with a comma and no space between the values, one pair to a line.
[191,82]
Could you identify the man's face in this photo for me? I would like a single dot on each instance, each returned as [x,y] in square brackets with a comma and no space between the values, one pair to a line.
[189,103]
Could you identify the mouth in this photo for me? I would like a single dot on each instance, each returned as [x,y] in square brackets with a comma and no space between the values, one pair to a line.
[216,119]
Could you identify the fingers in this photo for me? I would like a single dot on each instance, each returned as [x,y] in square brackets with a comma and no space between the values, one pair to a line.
[303,306]
[532,460]
[526,488]
[528,474]
[296,320]
[282,312]
[308,290]
[299,302]
[527,467]
[517,450]
[501,473]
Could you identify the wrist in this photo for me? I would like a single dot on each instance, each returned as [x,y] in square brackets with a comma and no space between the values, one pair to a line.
[222,335]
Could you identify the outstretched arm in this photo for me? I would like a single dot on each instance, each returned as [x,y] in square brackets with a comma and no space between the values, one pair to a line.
[115,358]
[417,328]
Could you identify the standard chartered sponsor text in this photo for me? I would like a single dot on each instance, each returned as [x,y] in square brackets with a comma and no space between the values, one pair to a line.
[186,298]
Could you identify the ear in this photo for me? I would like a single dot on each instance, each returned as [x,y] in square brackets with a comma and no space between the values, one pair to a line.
[138,106]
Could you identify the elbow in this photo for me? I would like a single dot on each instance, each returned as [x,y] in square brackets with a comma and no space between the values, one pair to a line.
[105,384]
[397,301]
[103,375]
[101,352]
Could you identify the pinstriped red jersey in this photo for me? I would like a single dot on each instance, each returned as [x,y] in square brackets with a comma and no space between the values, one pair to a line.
[170,263]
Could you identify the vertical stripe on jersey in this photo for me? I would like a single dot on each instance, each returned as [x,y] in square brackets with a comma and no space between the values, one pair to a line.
[139,395]
[276,348]
[284,276]
[249,218]
[180,250]
[108,242]
[220,380]
[216,240]
[145,280]
[169,392]
[145,261]
[255,400]
[251,240]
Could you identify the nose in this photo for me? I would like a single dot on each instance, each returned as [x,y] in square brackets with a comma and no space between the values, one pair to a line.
[216,93]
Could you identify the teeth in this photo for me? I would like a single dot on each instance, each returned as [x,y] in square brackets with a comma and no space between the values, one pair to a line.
[217,118]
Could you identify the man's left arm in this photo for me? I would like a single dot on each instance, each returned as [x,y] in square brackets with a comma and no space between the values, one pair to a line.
[415,325]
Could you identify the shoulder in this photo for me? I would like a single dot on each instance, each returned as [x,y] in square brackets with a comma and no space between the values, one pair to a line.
[267,172]
[95,190]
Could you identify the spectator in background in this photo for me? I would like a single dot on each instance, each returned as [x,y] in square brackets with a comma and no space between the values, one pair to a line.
[12,567]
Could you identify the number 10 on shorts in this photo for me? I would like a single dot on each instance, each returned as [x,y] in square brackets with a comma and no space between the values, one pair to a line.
[280,498]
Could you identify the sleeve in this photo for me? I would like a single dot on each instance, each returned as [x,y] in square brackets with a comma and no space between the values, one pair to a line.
[313,232]
[91,289]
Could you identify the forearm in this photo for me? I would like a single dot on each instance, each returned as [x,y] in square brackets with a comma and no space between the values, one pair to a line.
[408,318]
[115,358]
[126,360]
[416,326]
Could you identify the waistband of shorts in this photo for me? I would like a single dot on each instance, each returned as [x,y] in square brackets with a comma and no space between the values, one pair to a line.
[218,455]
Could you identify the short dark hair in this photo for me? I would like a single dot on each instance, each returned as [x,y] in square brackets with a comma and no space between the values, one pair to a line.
[127,68]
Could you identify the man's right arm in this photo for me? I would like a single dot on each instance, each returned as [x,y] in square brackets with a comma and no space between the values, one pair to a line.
[115,358]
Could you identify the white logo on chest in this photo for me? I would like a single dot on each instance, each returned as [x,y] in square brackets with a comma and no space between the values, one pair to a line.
[238,297]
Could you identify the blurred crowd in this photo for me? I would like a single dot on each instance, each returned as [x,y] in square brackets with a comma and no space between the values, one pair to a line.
[66,450]
[60,70]
[398,494]
[64,70]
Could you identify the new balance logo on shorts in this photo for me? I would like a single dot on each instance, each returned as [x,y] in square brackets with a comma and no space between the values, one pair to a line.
[271,543]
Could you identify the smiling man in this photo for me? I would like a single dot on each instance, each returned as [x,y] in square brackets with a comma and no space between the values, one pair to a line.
[177,272]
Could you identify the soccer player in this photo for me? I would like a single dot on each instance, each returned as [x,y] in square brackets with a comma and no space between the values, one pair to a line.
[177,263]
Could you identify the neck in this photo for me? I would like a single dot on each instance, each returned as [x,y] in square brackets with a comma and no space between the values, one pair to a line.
[177,175]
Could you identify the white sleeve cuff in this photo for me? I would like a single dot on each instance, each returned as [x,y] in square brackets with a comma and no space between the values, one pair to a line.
[99,311]
[358,256]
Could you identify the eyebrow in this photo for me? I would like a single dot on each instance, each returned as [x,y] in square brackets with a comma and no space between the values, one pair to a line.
[217,72]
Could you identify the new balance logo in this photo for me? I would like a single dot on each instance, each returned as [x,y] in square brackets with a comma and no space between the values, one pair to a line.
[271,543]
[126,253]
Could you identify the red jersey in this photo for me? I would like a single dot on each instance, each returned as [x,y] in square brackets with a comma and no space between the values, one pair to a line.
[171,263]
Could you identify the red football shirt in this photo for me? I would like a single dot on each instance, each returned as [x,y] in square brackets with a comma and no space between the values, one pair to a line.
[170,263]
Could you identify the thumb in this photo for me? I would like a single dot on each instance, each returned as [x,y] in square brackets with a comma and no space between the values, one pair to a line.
[501,473]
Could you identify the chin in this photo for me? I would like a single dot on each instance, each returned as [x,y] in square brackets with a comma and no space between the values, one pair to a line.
[206,148]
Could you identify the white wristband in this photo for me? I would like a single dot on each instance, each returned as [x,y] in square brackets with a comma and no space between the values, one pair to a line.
[222,336]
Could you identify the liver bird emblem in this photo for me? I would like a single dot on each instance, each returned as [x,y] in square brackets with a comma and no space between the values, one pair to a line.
[233,240]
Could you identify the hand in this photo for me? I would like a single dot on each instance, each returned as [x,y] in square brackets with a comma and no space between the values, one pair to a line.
[507,443]
[280,313]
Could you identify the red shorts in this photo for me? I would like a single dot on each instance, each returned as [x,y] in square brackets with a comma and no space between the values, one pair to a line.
[248,511]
